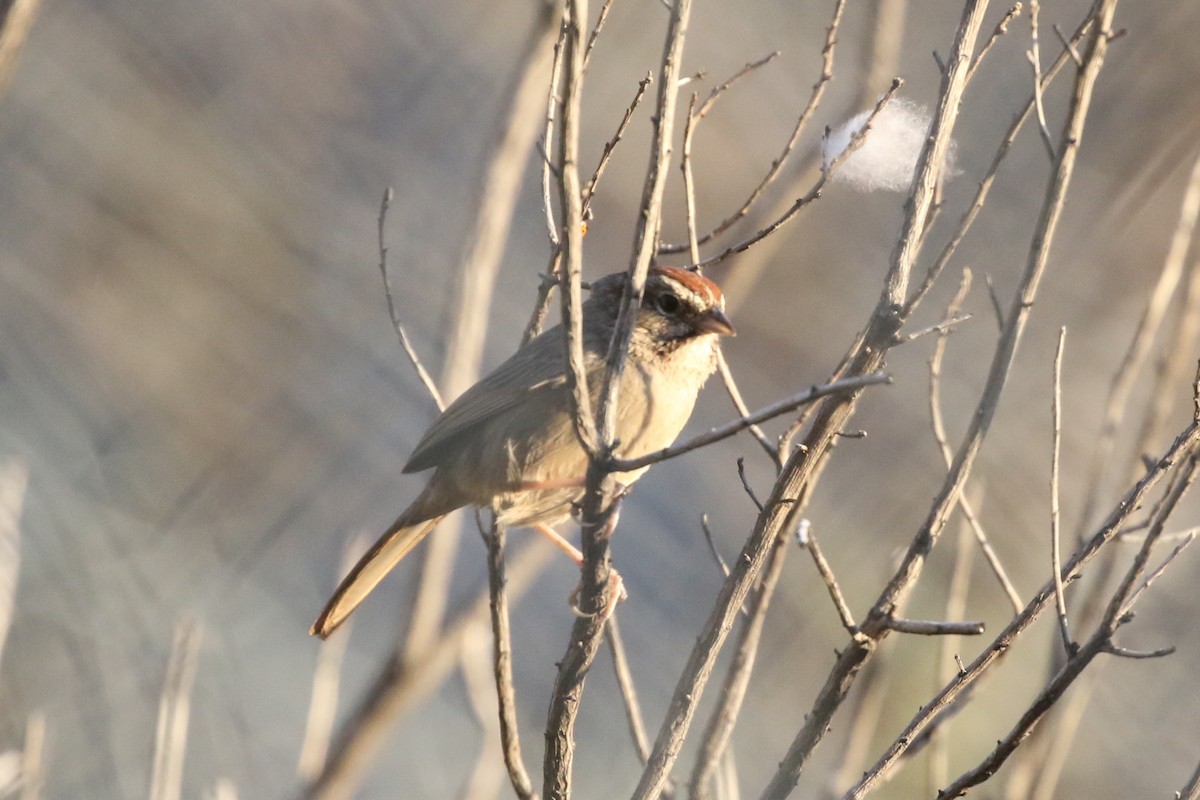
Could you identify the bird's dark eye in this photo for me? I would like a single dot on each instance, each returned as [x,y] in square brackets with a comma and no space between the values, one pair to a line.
[667,303]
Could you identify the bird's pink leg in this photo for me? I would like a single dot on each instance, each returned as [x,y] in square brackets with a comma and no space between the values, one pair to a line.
[616,584]
[562,544]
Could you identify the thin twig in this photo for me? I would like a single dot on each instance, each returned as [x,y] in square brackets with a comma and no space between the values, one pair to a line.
[689,197]
[935,628]
[1060,602]
[844,386]
[571,200]
[1128,371]
[856,141]
[633,709]
[939,434]
[510,740]
[1157,572]
[962,682]
[807,463]
[1035,61]
[712,545]
[595,34]
[741,465]
[1069,45]
[1000,29]
[715,741]
[808,540]
[777,164]
[942,327]
[590,191]
[1116,614]
[903,581]
[549,281]
[546,144]
[948,661]
[401,334]
[984,190]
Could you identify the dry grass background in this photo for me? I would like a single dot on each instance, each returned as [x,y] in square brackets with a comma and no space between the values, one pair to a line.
[197,368]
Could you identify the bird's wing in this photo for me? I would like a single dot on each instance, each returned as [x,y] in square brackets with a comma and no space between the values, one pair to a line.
[536,367]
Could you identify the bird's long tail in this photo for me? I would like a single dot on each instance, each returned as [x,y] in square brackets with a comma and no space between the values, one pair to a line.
[369,571]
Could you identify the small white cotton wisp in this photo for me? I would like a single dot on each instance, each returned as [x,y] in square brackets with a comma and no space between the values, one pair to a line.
[887,158]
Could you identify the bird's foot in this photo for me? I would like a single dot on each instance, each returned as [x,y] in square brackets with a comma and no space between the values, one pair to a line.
[614,595]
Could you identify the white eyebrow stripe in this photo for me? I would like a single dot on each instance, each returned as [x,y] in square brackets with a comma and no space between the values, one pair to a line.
[692,298]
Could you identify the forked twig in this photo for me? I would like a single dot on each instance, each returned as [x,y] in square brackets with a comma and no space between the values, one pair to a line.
[777,164]
[939,434]
[855,142]
[984,190]
[1035,61]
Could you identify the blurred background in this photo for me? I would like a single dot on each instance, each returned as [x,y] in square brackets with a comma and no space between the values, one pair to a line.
[198,371]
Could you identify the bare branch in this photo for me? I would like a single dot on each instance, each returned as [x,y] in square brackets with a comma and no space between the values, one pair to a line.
[633,709]
[409,350]
[903,581]
[808,540]
[939,435]
[595,34]
[590,191]
[741,465]
[1151,320]
[1185,443]
[777,164]
[714,744]
[1000,29]
[1035,60]
[844,386]
[510,740]
[984,190]
[1060,601]
[598,511]
[571,200]
[855,142]
[930,628]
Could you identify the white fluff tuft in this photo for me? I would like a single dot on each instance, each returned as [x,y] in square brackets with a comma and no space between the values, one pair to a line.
[887,158]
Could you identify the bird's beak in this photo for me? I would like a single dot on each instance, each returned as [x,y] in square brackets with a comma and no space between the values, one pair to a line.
[715,321]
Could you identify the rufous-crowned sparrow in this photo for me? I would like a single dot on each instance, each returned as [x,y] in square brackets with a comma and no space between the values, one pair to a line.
[509,442]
